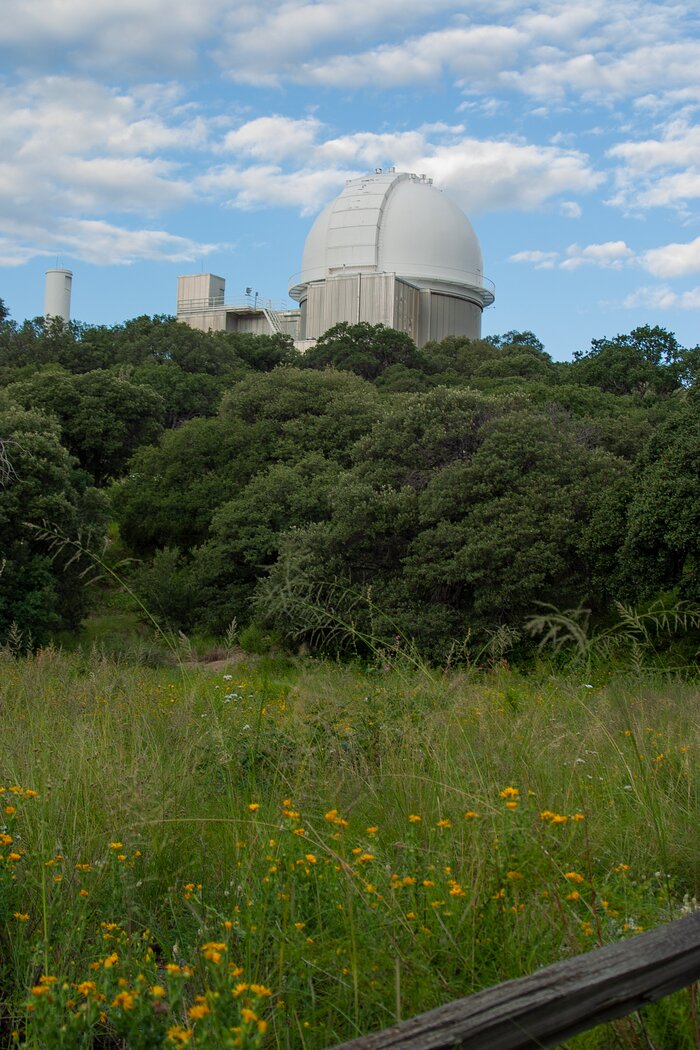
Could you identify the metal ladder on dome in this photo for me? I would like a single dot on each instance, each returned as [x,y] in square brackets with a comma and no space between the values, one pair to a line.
[274,320]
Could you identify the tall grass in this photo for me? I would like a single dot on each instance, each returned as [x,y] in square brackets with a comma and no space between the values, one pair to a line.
[364,845]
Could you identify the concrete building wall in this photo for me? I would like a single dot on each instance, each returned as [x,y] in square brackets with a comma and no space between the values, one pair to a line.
[254,323]
[204,289]
[206,320]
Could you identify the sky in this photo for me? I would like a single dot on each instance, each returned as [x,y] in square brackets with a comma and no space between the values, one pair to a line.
[142,139]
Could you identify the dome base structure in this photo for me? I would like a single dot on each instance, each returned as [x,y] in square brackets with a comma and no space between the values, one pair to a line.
[393,250]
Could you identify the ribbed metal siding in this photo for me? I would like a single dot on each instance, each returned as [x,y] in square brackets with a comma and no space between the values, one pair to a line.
[315,311]
[377,298]
[342,301]
[406,308]
[452,316]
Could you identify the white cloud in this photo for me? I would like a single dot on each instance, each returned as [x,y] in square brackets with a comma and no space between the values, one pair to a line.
[269,186]
[662,297]
[103,243]
[679,144]
[273,138]
[471,54]
[609,255]
[539,259]
[647,174]
[480,174]
[130,36]
[570,209]
[610,75]
[673,260]
[75,152]
[269,45]
[70,145]
[666,261]
[483,175]
[98,242]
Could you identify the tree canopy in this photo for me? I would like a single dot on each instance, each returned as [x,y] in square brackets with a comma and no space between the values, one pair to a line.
[439,493]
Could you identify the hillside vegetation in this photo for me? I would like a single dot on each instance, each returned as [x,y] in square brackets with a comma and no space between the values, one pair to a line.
[360,493]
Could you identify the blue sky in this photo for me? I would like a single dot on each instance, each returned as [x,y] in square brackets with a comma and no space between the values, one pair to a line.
[140,139]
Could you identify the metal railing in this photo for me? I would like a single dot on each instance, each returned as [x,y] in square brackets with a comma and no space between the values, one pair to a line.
[431,275]
[219,302]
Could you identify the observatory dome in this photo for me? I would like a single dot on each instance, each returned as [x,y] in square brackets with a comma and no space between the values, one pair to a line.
[398,226]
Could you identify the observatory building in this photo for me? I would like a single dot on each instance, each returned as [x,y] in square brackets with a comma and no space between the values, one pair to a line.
[391,249]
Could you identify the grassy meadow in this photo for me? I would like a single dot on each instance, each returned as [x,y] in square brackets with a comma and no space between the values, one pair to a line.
[291,853]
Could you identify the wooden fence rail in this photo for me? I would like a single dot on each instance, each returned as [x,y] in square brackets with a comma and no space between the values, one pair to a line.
[549,1006]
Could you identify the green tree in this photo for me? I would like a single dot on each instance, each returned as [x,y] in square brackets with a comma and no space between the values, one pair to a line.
[363,348]
[647,361]
[39,592]
[460,513]
[103,418]
[282,416]
[661,549]
[245,534]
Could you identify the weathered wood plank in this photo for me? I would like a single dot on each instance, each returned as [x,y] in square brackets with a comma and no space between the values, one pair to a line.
[549,1006]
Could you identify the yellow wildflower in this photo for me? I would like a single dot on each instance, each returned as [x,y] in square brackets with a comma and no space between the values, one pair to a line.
[124,999]
[180,1035]
[261,989]
[196,1013]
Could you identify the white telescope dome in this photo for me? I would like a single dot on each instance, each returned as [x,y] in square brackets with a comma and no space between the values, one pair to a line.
[395,223]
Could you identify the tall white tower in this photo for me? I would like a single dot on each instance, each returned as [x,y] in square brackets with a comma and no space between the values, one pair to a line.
[57,294]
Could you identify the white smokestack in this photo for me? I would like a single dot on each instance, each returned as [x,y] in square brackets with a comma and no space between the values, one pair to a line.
[57,294]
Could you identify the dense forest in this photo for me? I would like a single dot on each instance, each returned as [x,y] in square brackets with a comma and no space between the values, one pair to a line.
[363,493]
